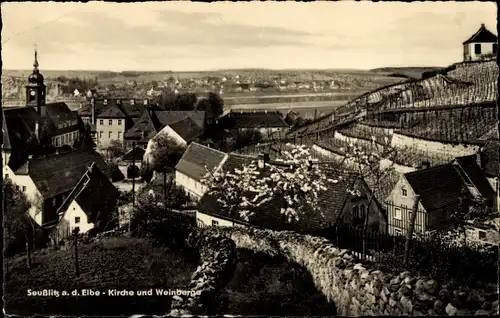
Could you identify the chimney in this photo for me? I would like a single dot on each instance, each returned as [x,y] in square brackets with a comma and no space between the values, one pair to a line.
[92,103]
[118,102]
[478,159]
[105,102]
[81,104]
[30,157]
[482,25]
[146,102]
[425,165]
[132,102]
[262,159]
[37,130]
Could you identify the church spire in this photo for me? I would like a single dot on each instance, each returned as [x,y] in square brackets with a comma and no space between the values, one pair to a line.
[35,64]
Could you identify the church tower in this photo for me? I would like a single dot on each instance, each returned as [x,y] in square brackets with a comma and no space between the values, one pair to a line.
[36,89]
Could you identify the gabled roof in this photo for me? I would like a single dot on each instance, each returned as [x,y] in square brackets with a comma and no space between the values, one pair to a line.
[164,118]
[59,173]
[112,111]
[143,124]
[137,153]
[262,119]
[94,193]
[98,197]
[196,158]
[439,186]
[187,129]
[475,175]
[20,125]
[483,35]
[330,203]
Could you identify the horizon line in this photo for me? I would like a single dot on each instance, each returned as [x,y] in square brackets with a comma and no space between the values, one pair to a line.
[229,69]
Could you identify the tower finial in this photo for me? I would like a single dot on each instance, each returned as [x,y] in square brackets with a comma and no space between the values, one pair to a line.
[35,64]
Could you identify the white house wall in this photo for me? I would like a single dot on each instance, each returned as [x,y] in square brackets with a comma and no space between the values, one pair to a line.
[192,187]
[31,192]
[74,210]
[486,48]
[203,220]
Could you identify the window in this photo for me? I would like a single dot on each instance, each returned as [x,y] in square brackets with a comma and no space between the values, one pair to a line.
[495,48]
[100,134]
[398,232]
[119,122]
[355,211]
[362,211]
[404,192]
[24,188]
[215,223]
[397,214]
[17,187]
[482,235]
[101,122]
[477,48]
[6,176]
[110,134]
[77,219]
[119,135]
[111,122]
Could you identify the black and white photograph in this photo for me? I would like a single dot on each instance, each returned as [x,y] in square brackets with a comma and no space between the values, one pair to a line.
[260,158]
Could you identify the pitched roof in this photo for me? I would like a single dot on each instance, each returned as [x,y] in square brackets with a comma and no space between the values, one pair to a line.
[112,111]
[58,112]
[330,203]
[143,124]
[439,186]
[164,118]
[187,129]
[59,173]
[482,35]
[263,119]
[476,175]
[94,193]
[20,125]
[196,158]
[137,153]
[98,197]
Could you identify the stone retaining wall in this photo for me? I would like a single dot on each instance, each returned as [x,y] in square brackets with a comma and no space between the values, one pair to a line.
[355,287]
[218,257]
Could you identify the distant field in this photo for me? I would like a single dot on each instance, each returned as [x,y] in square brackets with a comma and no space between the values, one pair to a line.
[305,109]
[414,72]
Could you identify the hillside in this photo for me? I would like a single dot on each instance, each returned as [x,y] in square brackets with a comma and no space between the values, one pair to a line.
[464,84]
[120,263]
[410,72]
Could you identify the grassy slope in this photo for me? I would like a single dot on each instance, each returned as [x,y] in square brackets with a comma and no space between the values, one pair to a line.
[263,285]
[122,263]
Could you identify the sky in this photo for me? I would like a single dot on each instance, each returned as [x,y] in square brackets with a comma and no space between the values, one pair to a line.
[188,36]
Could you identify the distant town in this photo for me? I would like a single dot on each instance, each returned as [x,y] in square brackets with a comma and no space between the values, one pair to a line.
[253,192]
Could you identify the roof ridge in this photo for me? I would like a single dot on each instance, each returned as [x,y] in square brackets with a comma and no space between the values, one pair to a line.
[206,147]
[430,168]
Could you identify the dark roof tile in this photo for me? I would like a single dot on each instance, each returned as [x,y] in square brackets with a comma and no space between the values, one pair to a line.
[483,35]
[187,129]
[196,158]
[439,186]
[476,175]
[59,173]
[270,119]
